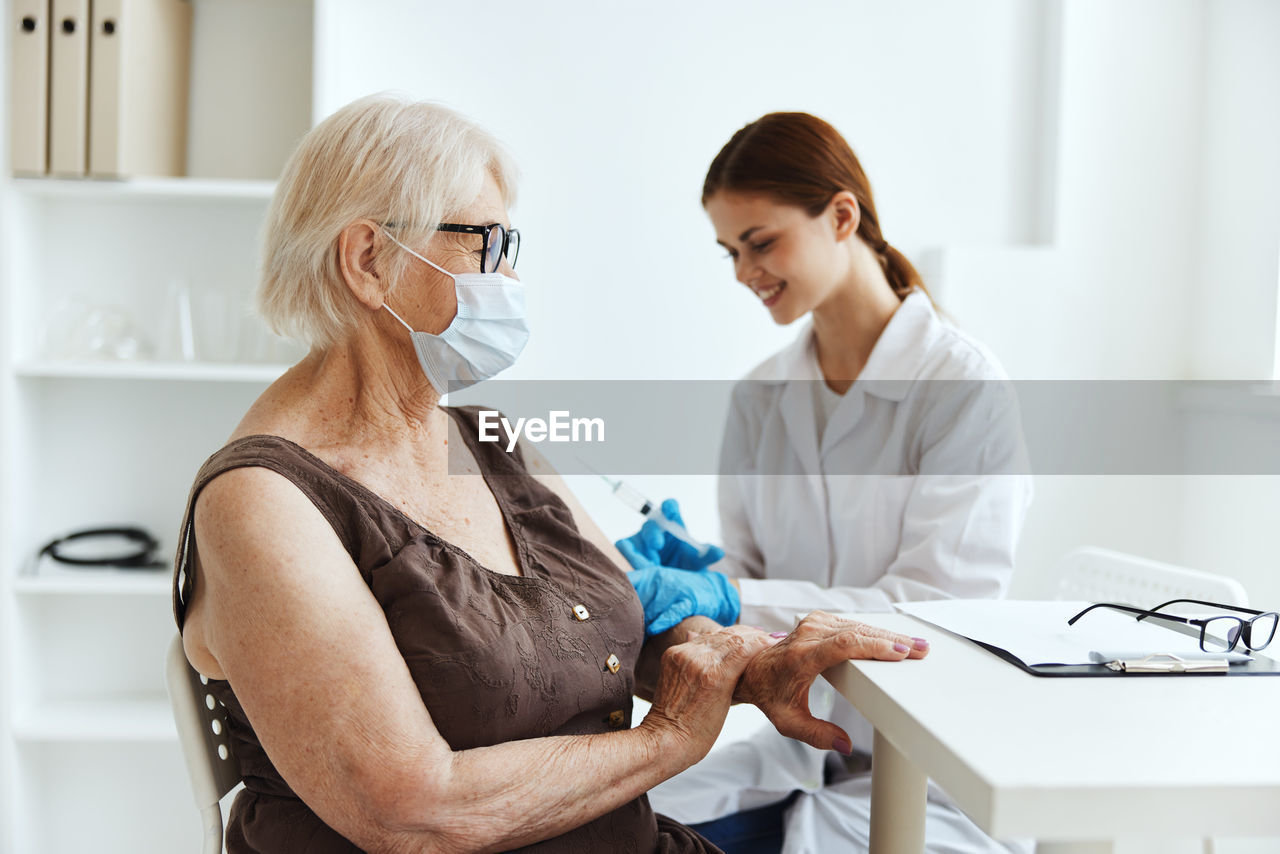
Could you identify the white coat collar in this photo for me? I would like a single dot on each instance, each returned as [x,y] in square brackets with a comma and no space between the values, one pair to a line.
[895,361]
[893,365]
[898,354]
[796,361]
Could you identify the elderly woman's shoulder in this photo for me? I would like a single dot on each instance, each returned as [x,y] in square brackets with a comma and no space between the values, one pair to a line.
[244,497]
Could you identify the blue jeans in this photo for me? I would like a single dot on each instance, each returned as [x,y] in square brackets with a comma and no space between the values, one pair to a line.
[755,831]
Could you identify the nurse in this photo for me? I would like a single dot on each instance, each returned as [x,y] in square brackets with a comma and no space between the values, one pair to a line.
[877,459]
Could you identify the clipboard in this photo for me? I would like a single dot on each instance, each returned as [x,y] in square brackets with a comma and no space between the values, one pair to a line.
[1004,624]
[1259,666]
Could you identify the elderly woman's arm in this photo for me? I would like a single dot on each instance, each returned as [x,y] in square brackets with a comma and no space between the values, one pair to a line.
[282,612]
[777,679]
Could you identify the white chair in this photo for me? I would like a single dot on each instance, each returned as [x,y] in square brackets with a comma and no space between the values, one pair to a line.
[1101,575]
[202,730]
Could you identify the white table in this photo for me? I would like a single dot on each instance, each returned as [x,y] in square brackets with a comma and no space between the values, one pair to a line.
[1063,759]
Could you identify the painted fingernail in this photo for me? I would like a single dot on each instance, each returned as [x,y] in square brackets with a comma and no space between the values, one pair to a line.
[900,647]
[920,643]
[777,634]
[843,746]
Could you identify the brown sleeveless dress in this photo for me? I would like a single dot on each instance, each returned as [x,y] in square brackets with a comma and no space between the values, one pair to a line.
[495,657]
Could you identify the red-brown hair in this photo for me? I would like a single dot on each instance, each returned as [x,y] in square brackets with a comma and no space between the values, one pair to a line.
[799,159]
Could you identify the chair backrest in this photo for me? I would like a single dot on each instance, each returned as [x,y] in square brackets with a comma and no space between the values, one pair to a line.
[202,730]
[1101,575]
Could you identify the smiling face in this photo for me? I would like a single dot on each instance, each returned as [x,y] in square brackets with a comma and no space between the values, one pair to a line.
[792,261]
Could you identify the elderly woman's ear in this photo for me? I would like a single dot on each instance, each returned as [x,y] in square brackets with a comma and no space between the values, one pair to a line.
[358,246]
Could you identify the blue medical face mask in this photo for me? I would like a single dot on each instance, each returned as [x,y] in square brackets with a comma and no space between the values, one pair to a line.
[486,336]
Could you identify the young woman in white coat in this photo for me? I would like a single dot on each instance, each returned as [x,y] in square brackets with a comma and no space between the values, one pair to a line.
[877,459]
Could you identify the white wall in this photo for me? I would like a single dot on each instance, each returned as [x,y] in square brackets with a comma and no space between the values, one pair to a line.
[614,114]
[1071,173]
[1228,523]
[1110,297]
[1236,192]
[1166,267]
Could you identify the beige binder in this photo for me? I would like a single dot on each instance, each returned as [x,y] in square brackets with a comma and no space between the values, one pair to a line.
[29,88]
[138,68]
[69,88]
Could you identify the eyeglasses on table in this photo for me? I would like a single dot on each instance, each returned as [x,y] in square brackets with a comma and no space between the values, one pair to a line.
[1217,634]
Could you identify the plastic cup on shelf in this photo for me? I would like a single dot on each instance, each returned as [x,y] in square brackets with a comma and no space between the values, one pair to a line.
[259,345]
[105,333]
[177,341]
[218,323]
[55,337]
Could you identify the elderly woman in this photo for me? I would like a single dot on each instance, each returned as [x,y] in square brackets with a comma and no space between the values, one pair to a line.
[422,641]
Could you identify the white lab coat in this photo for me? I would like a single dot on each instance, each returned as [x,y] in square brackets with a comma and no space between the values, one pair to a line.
[917,489]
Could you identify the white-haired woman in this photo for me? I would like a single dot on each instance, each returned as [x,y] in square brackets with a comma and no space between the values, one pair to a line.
[422,641]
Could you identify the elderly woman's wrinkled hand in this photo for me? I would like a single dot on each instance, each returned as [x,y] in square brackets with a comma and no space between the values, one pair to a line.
[696,687]
[778,679]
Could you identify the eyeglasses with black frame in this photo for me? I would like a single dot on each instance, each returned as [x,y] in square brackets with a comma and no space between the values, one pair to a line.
[491,250]
[1217,634]
[499,242]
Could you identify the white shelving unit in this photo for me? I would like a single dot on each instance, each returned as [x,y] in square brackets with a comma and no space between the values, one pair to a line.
[97,721]
[147,188]
[178,371]
[101,583]
[89,759]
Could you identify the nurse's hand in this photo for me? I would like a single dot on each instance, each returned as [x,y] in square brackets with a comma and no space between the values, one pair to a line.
[778,679]
[671,595]
[652,546]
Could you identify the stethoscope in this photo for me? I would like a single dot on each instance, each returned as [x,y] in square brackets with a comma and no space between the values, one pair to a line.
[138,551]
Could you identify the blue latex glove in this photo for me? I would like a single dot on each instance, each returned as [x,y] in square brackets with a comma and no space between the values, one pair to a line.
[671,595]
[652,546]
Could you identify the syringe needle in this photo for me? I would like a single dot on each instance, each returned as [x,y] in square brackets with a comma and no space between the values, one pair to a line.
[629,496]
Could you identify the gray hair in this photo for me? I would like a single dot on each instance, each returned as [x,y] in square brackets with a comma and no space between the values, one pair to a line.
[383,158]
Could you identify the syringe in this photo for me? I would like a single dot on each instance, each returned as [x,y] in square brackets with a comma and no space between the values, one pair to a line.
[646,508]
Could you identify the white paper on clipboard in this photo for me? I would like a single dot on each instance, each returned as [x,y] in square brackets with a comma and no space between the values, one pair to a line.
[1036,632]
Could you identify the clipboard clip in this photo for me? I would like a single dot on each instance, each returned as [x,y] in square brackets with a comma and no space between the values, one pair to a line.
[1164,662]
